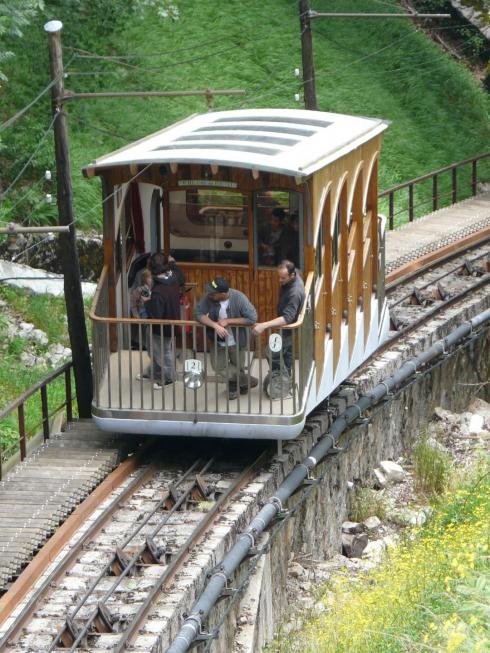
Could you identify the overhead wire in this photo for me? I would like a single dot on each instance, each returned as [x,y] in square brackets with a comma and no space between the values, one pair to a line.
[321,73]
[77,219]
[25,196]
[427,64]
[36,150]
[107,132]
[116,57]
[20,113]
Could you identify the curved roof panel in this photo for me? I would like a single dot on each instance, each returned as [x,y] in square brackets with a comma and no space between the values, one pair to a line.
[287,141]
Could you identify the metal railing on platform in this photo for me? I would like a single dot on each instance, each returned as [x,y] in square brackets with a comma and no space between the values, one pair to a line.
[126,350]
[435,189]
[24,434]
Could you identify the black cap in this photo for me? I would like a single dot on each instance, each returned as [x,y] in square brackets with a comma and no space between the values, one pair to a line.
[219,284]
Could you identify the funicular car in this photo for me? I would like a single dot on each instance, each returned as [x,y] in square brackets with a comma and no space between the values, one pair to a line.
[210,190]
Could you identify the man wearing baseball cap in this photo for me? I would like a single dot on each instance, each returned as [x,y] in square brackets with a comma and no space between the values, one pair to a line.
[223,310]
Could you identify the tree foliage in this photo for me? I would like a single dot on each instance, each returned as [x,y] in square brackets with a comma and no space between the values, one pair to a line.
[15,16]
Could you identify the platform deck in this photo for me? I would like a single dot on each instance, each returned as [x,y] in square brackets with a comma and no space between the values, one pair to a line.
[436,230]
[132,394]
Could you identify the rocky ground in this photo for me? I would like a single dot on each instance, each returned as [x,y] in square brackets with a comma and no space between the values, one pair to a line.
[394,495]
[36,350]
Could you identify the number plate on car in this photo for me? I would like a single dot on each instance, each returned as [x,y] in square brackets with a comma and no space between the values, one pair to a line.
[193,365]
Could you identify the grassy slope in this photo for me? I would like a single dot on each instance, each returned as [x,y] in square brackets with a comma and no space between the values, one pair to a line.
[438,113]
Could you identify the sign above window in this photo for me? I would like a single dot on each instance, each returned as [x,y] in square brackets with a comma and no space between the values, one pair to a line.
[207,182]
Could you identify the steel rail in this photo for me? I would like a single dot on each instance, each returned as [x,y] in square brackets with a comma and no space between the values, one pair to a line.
[107,566]
[189,545]
[74,552]
[436,279]
[435,256]
[131,563]
[307,489]
[482,282]
[192,626]
[446,258]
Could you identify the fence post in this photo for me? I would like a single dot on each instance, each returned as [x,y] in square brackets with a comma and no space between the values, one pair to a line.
[474,176]
[69,408]
[22,432]
[410,202]
[435,193]
[45,412]
[454,194]
[392,210]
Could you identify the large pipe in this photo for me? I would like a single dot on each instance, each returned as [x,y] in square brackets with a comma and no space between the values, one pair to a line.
[193,623]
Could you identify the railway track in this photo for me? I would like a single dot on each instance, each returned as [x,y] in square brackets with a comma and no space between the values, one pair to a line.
[99,596]
[418,297]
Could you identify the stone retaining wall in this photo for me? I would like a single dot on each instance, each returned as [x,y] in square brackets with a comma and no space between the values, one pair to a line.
[316,529]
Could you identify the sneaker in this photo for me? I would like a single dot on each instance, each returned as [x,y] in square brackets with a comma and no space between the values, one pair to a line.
[232,391]
[254,382]
[143,377]
[158,386]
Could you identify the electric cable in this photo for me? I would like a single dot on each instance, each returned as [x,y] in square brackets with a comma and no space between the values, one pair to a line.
[29,191]
[76,219]
[36,150]
[107,132]
[20,113]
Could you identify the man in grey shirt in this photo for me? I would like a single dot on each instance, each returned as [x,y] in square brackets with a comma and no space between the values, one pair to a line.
[291,300]
[223,310]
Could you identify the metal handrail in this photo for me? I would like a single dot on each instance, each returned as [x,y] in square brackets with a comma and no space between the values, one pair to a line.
[19,403]
[145,321]
[434,175]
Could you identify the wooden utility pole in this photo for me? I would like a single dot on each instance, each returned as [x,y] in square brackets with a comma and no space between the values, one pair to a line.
[307,56]
[67,248]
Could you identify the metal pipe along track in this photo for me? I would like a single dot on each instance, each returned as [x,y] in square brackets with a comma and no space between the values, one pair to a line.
[192,626]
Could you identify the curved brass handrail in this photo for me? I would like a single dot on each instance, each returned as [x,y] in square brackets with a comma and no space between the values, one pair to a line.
[135,320]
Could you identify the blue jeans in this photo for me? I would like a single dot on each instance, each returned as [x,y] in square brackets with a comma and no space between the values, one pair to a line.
[161,353]
[287,354]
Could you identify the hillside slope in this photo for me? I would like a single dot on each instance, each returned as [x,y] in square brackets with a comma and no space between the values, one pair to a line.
[366,67]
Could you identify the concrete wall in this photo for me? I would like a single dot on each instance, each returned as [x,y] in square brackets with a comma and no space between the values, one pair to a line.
[316,528]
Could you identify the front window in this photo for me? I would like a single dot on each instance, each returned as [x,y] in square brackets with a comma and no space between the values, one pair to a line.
[278,227]
[209,225]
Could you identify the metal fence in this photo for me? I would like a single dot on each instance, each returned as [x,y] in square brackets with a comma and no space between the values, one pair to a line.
[131,355]
[435,189]
[24,434]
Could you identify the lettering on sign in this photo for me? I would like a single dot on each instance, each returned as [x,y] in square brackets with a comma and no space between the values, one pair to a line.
[193,365]
[275,342]
[207,182]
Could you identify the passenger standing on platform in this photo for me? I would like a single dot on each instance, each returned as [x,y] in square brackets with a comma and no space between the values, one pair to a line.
[291,299]
[164,304]
[221,308]
[141,295]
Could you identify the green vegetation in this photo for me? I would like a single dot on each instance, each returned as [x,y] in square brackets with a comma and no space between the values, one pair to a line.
[431,593]
[388,69]
[366,503]
[432,467]
[46,313]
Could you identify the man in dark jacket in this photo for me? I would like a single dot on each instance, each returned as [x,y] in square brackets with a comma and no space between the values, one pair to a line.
[164,304]
[224,307]
[291,300]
